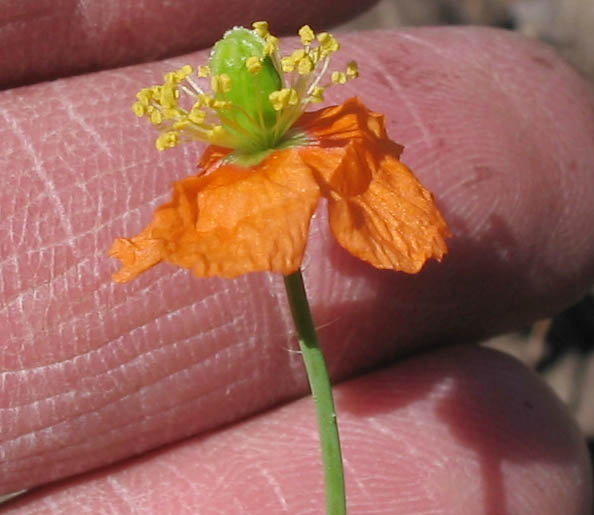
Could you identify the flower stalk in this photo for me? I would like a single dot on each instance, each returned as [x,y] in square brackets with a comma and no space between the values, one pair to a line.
[249,205]
[321,390]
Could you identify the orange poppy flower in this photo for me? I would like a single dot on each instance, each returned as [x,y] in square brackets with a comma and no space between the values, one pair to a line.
[233,218]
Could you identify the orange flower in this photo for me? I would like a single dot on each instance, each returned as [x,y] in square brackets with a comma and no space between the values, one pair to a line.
[269,163]
[230,219]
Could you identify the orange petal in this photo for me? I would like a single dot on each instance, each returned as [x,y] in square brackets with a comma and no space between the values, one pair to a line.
[230,221]
[137,255]
[393,224]
[339,125]
[379,211]
[212,156]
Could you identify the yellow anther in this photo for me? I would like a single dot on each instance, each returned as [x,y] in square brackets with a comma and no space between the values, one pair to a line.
[154,93]
[185,71]
[298,54]
[293,97]
[225,82]
[305,65]
[149,111]
[323,37]
[221,104]
[203,71]
[156,117]
[306,34]
[253,64]
[317,95]
[174,78]
[352,70]
[271,45]
[283,97]
[314,54]
[276,100]
[328,44]
[139,108]
[197,116]
[261,28]
[216,134]
[168,96]
[171,114]
[205,100]
[144,96]
[181,125]
[167,140]
[220,83]
[338,78]
[288,64]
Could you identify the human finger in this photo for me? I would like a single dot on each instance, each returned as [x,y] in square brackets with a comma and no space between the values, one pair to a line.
[87,36]
[95,372]
[456,430]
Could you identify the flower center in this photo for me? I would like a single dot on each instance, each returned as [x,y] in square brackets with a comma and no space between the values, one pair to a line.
[256,94]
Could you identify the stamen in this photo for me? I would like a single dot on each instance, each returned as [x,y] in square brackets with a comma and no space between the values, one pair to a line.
[253,64]
[338,78]
[257,94]
[306,34]
[261,28]
[220,83]
[271,45]
[352,70]
[282,98]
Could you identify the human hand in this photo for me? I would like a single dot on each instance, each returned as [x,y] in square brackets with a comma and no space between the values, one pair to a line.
[496,126]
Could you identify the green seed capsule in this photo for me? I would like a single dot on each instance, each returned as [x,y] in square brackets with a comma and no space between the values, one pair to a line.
[249,115]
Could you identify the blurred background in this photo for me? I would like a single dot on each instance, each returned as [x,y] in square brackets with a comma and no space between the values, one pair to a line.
[560,349]
[567,25]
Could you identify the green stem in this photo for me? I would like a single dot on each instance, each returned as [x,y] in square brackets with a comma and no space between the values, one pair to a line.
[321,391]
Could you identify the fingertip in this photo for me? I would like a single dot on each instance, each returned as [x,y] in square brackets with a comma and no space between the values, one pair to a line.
[112,34]
[457,430]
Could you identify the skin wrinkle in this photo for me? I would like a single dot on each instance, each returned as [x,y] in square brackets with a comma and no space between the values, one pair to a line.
[102,448]
[48,194]
[448,192]
[129,395]
[218,449]
[25,223]
[222,479]
[119,336]
[32,289]
[566,181]
[275,487]
[191,303]
[351,473]
[410,107]
[187,482]
[407,36]
[90,352]
[122,493]
[45,179]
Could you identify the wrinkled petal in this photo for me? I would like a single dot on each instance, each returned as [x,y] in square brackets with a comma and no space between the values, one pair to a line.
[339,125]
[229,221]
[378,210]
[137,255]
[393,224]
